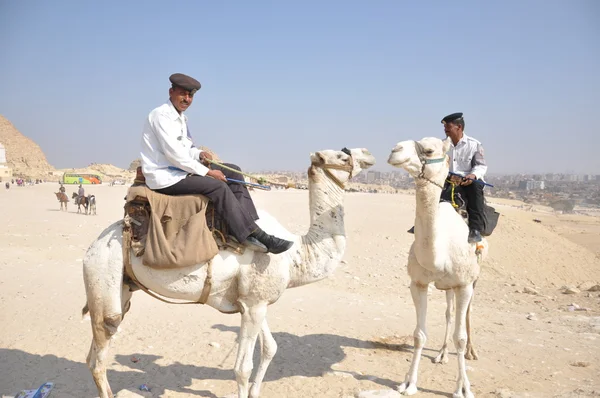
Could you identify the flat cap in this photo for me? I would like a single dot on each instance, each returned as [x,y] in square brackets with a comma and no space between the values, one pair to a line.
[185,82]
[452,118]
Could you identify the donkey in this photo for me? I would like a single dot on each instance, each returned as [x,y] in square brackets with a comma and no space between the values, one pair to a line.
[80,201]
[92,201]
[63,199]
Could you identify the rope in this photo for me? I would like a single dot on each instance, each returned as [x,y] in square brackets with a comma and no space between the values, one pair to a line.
[261,180]
[452,193]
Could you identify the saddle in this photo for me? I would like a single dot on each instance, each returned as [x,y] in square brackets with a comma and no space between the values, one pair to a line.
[454,196]
[174,231]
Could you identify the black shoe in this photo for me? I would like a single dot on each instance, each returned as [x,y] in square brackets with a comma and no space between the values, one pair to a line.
[474,236]
[253,244]
[411,230]
[274,245]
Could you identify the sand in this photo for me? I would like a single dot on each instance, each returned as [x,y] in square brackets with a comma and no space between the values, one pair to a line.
[337,337]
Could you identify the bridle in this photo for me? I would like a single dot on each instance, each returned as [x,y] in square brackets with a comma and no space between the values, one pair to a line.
[425,162]
[349,168]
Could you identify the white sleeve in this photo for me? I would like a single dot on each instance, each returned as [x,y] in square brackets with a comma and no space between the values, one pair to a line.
[165,130]
[479,167]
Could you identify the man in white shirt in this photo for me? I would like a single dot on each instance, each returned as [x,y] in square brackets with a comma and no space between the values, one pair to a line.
[467,160]
[172,165]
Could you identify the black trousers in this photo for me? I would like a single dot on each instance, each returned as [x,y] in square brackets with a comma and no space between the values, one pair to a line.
[231,200]
[473,196]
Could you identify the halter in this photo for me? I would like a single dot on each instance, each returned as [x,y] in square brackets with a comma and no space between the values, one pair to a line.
[349,168]
[425,162]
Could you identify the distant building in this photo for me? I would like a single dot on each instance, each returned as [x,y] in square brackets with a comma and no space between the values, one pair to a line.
[370,177]
[5,171]
[530,185]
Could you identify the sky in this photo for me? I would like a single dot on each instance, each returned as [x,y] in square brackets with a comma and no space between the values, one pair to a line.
[282,79]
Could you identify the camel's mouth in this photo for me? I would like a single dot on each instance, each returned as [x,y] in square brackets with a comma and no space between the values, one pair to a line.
[365,164]
[397,163]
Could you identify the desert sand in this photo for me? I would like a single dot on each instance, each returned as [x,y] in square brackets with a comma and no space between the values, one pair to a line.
[349,333]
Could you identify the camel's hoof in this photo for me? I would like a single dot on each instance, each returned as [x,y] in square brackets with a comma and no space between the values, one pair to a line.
[441,358]
[254,392]
[407,388]
[463,394]
[471,354]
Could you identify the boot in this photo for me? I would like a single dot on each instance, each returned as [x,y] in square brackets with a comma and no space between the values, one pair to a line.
[251,243]
[274,245]
[474,236]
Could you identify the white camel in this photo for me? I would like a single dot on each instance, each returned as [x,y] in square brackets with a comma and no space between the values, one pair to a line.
[246,283]
[439,254]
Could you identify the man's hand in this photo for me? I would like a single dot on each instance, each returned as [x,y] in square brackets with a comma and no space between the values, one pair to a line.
[204,156]
[457,180]
[217,175]
[468,179]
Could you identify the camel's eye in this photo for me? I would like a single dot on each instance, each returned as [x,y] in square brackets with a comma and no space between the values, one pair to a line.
[429,152]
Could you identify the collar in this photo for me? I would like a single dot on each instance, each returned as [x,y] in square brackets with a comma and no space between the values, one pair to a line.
[462,140]
[172,112]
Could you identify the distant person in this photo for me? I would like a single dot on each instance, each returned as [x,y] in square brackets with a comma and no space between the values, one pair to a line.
[467,160]
[81,192]
[7,185]
[172,165]
[62,188]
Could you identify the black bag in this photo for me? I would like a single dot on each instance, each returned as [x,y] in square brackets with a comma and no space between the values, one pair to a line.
[490,220]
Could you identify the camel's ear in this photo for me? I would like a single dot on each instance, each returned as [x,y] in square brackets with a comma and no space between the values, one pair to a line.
[446,146]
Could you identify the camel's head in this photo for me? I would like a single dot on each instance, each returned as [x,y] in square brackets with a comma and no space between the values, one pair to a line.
[342,165]
[425,159]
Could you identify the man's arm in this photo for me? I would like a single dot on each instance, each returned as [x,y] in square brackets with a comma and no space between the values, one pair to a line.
[181,157]
[478,165]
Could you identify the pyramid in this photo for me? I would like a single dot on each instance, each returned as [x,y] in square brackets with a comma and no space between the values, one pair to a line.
[24,156]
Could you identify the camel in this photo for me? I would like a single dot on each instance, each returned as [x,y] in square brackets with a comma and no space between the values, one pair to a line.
[439,254]
[246,283]
[63,199]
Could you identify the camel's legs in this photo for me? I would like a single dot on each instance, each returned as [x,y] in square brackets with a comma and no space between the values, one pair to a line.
[463,299]
[471,353]
[103,328]
[268,349]
[252,320]
[106,313]
[443,354]
[419,296]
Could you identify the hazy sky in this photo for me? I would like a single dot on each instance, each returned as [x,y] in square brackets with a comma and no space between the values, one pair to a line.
[281,79]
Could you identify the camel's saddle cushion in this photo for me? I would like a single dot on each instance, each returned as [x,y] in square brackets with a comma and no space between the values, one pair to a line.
[174,231]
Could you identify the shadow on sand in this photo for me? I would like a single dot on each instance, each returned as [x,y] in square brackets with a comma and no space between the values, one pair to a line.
[309,356]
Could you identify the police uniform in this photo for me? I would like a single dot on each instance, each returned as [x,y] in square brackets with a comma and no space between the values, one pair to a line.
[467,157]
[171,165]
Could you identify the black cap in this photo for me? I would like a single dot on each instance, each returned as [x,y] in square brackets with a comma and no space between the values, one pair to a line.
[452,118]
[187,83]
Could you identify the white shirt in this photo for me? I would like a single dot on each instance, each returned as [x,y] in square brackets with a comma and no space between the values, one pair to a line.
[466,157]
[168,154]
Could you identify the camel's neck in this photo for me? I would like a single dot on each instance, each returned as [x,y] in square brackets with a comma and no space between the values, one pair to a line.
[428,200]
[321,249]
